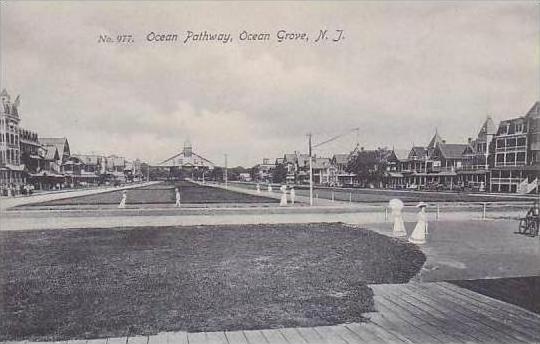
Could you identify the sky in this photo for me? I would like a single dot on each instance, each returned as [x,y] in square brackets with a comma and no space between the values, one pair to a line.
[402,70]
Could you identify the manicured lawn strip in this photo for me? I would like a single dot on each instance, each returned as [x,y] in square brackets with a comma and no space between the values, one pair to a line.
[163,194]
[520,291]
[65,284]
[385,195]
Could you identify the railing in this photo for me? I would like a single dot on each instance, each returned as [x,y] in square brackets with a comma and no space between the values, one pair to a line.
[510,163]
[511,149]
[505,180]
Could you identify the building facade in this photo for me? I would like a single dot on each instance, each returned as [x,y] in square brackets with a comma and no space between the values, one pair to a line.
[12,175]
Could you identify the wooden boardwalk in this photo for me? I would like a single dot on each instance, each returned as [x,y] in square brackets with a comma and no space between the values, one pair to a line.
[437,312]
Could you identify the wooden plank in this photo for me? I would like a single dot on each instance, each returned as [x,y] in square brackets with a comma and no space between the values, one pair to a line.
[480,315]
[138,340]
[416,331]
[491,302]
[327,332]
[483,324]
[347,335]
[496,312]
[367,335]
[311,336]
[292,336]
[380,327]
[216,338]
[274,337]
[255,337]
[445,328]
[465,326]
[236,337]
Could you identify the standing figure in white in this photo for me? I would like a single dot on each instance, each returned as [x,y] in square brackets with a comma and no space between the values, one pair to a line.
[177,194]
[269,188]
[122,204]
[420,232]
[293,194]
[258,188]
[399,227]
[283,200]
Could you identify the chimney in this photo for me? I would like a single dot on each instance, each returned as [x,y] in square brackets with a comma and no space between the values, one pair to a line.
[469,140]
[444,142]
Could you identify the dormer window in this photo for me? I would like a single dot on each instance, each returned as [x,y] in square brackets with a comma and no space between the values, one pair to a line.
[519,127]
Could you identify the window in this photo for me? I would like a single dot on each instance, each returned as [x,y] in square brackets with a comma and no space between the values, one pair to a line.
[511,142]
[510,157]
[519,127]
[501,143]
[521,141]
[500,158]
[520,158]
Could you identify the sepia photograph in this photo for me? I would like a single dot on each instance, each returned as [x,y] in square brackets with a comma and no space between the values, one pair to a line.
[269,172]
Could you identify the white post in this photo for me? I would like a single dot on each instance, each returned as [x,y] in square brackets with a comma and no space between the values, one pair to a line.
[350,197]
[385,214]
[484,211]
[438,211]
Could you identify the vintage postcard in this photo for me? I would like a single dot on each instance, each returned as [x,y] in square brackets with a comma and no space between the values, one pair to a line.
[269,172]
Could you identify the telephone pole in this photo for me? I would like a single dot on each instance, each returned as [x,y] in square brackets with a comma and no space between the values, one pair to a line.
[310,171]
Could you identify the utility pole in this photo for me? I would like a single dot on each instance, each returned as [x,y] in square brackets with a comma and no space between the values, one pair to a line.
[310,171]
[225,171]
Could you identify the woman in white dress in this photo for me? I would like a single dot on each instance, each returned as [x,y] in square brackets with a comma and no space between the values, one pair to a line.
[399,227]
[293,194]
[177,195]
[283,200]
[420,232]
[122,204]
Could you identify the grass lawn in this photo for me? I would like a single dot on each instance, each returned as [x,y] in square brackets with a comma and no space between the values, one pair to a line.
[163,193]
[64,284]
[384,195]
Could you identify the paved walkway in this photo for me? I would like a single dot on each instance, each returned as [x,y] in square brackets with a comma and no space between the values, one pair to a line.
[406,313]
[9,202]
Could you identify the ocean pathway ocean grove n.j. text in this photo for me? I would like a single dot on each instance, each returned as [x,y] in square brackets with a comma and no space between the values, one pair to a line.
[196,37]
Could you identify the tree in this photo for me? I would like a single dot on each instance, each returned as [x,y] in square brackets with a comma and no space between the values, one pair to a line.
[369,166]
[279,174]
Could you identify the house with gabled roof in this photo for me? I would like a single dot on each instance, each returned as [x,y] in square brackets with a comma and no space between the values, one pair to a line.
[61,144]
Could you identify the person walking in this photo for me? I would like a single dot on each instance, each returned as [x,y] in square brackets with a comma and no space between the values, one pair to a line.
[420,231]
[177,194]
[283,201]
[122,204]
[399,227]
[293,194]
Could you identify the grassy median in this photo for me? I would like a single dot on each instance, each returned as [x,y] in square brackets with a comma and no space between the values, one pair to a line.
[65,284]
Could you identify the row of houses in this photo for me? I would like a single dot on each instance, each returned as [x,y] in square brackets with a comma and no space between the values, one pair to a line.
[47,162]
[503,158]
